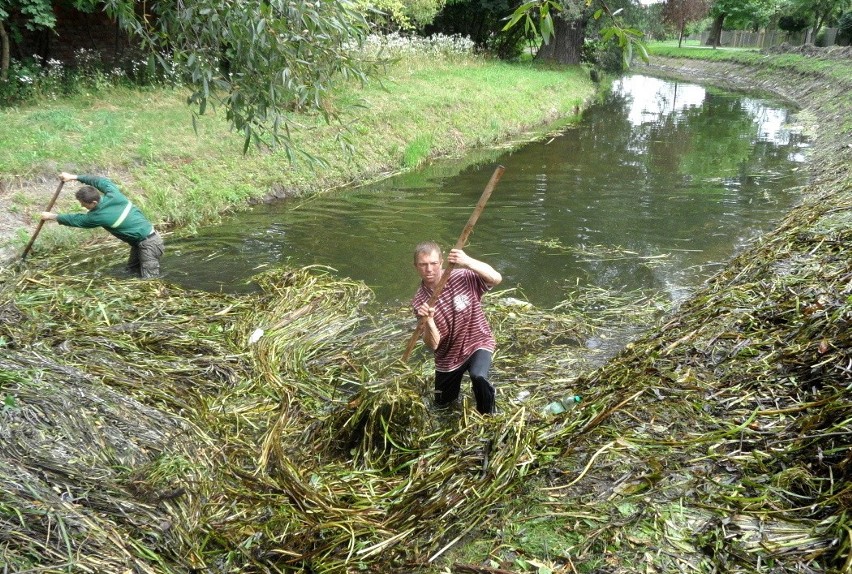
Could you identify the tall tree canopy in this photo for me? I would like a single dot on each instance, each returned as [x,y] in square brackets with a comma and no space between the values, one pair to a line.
[34,14]
[567,32]
[564,23]
[814,13]
[393,15]
[482,21]
[740,14]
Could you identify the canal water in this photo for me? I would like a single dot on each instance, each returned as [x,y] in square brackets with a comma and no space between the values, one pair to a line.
[655,189]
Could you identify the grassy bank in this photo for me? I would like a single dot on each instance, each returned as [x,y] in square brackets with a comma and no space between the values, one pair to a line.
[832,63]
[423,109]
[141,430]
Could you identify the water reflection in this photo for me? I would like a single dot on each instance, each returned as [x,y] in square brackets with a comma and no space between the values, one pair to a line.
[652,100]
[658,186]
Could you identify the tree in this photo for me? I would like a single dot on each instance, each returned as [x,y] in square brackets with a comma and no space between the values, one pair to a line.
[565,23]
[483,22]
[568,31]
[740,14]
[260,60]
[815,13]
[680,13]
[35,15]
[792,24]
[392,15]
[649,19]
[844,28]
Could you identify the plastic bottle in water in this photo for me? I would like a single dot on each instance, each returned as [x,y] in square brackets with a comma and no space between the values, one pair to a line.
[557,407]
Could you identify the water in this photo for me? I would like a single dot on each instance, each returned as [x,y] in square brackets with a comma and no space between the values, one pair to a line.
[657,187]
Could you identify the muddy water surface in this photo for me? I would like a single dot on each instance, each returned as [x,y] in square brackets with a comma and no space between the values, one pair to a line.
[656,188]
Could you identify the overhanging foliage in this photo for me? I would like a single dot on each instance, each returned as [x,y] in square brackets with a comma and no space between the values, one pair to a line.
[259,61]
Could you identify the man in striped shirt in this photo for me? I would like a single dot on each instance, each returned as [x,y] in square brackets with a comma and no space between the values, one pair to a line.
[115,213]
[454,327]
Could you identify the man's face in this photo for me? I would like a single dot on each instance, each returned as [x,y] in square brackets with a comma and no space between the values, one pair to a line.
[89,206]
[429,267]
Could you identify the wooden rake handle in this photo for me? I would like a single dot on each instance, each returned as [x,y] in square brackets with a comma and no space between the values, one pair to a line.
[41,221]
[468,228]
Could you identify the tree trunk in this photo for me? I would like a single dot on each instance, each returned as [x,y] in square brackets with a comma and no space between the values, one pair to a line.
[821,19]
[4,53]
[715,37]
[566,45]
[680,35]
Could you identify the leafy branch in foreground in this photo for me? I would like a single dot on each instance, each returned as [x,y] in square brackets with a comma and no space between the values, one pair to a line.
[538,17]
[260,61]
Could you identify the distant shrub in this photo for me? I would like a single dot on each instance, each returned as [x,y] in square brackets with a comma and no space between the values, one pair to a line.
[603,55]
[790,23]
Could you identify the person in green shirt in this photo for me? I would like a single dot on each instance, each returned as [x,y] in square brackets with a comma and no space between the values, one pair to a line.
[107,207]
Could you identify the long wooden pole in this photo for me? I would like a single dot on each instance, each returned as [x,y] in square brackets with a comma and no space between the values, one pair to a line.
[480,205]
[41,221]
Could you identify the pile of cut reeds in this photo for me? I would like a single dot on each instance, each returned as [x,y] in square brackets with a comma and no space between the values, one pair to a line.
[145,429]
[725,437]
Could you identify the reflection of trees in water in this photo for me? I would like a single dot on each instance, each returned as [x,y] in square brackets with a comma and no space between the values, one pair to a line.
[686,178]
[680,182]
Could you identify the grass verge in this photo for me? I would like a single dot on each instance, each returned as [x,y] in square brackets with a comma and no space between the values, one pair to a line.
[183,177]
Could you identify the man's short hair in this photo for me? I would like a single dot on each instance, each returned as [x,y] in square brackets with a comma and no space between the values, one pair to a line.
[87,194]
[427,247]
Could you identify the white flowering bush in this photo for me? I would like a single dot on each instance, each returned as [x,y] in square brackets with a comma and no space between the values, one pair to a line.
[21,83]
[437,46]
[36,78]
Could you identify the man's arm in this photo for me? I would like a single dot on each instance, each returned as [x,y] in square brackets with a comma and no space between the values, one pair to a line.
[102,184]
[488,274]
[49,215]
[431,335]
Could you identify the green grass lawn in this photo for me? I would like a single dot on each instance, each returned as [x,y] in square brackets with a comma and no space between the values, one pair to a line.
[665,44]
[790,62]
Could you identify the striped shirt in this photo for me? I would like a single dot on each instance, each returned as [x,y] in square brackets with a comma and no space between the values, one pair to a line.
[459,318]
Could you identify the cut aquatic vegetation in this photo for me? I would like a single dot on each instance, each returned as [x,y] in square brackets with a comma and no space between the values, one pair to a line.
[142,432]
[314,448]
